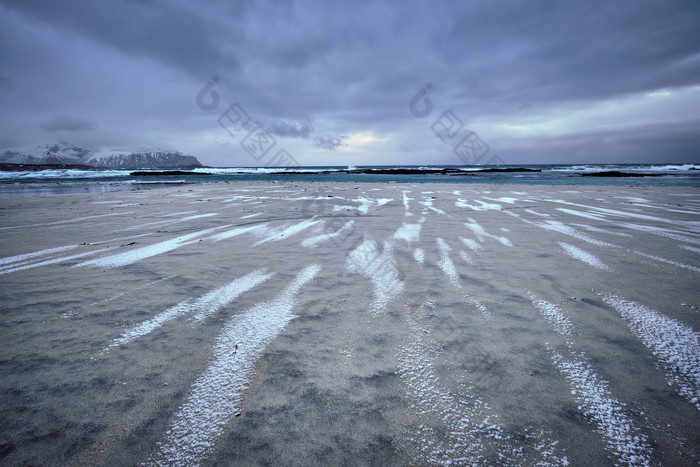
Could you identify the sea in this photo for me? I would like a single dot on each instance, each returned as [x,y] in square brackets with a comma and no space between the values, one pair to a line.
[54,181]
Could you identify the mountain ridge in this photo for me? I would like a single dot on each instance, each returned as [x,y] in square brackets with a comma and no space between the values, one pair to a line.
[62,153]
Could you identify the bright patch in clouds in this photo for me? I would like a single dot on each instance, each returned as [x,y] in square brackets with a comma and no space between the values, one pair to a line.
[356,141]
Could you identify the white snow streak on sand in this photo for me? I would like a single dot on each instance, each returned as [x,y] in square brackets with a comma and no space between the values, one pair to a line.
[202,307]
[419,255]
[67,221]
[587,215]
[313,241]
[481,233]
[181,213]
[469,427]
[380,269]
[23,266]
[591,391]
[676,345]
[289,231]
[364,204]
[128,257]
[237,231]
[479,306]
[541,214]
[408,232]
[690,248]
[668,233]
[216,396]
[506,200]
[471,244]
[667,261]
[557,226]
[590,228]
[616,212]
[405,202]
[17,258]
[584,256]
[168,222]
[428,203]
[554,316]
[484,206]
[446,264]
[465,257]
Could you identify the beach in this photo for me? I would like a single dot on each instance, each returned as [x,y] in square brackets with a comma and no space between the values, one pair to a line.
[318,323]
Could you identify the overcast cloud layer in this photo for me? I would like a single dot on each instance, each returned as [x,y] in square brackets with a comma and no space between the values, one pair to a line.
[540,81]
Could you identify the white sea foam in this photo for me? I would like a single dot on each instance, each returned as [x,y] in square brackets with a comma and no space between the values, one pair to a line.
[446,264]
[217,396]
[621,436]
[383,201]
[380,269]
[313,241]
[690,248]
[584,256]
[132,256]
[201,308]
[252,215]
[676,345]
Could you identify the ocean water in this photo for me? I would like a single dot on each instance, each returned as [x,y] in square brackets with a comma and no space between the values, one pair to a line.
[58,181]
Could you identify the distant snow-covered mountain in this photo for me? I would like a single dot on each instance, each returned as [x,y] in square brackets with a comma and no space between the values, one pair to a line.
[65,153]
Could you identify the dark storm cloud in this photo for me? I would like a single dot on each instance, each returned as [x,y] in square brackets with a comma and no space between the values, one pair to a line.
[316,70]
[659,142]
[157,30]
[290,128]
[329,142]
[305,130]
[64,123]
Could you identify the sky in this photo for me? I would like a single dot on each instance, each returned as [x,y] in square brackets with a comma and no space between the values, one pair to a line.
[243,83]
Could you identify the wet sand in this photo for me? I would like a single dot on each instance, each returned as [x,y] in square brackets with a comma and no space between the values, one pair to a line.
[392,324]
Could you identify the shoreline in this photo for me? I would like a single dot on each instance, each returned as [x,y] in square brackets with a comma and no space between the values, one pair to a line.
[335,323]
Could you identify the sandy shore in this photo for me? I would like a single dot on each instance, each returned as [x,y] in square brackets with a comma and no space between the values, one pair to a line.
[383,324]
